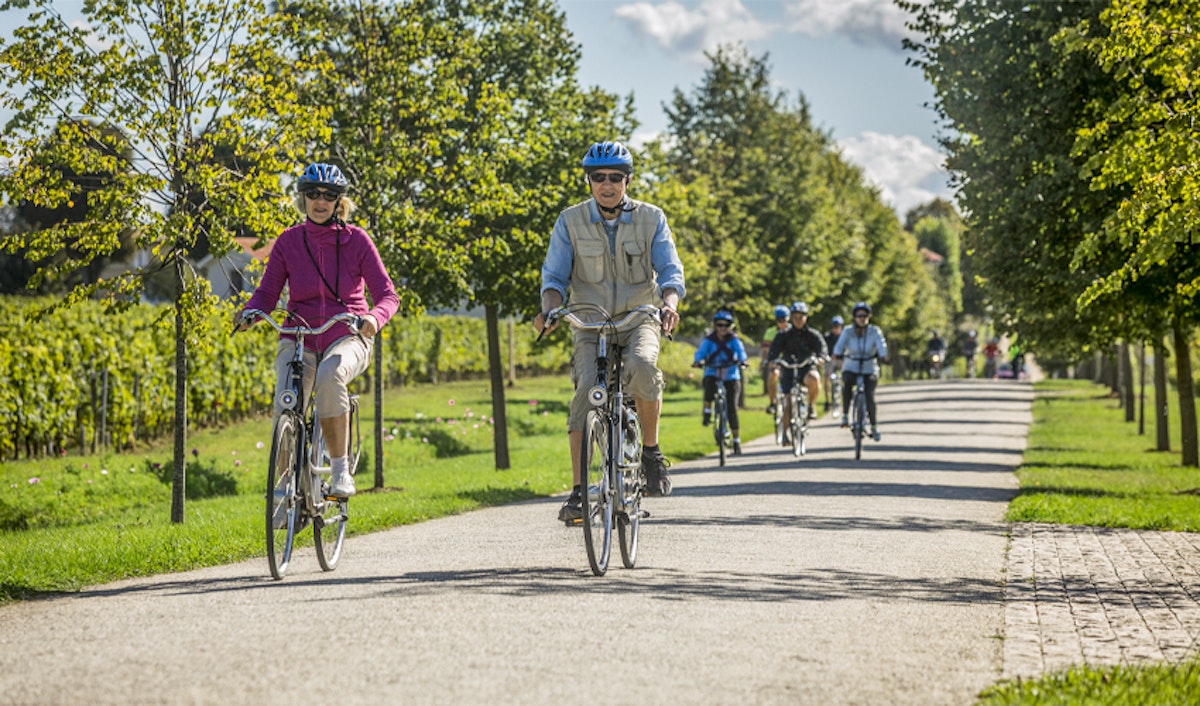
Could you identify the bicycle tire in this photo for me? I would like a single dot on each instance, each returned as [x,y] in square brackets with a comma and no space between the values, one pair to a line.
[721,423]
[836,394]
[629,521]
[860,423]
[282,496]
[329,530]
[779,419]
[597,492]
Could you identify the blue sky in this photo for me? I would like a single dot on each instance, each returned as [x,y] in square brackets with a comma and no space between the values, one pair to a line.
[844,56]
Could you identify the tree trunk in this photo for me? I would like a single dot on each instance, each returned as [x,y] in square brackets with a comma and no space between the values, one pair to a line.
[179,480]
[512,352]
[1187,395]
[379,423]
[1162,427]
[1141,389]
[1127,382]
[496,371]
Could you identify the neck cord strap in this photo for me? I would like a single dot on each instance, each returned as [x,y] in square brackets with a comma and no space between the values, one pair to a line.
[337,277]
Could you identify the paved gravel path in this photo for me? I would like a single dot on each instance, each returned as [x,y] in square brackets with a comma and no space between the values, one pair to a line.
[814,581]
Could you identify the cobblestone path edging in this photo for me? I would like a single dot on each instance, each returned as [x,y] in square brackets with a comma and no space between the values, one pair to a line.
[1096,596]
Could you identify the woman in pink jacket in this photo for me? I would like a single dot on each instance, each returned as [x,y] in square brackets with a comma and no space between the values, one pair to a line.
[325,264]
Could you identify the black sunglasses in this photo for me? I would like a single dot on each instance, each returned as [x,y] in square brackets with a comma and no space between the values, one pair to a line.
[319,194]
[722,324]
[598,178]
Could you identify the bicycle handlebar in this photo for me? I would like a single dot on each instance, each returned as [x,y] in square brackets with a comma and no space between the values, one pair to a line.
[572,318]
[352,320]
[810,360]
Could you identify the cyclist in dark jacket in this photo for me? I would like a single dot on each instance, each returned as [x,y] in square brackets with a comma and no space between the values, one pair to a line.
[797,345]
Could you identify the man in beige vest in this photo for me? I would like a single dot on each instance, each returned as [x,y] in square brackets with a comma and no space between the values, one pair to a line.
[616,253]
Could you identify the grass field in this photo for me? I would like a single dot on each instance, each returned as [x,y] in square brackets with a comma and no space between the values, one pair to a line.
[70,522]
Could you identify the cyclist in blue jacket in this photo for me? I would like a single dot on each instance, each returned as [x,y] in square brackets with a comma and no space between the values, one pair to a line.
[723,349]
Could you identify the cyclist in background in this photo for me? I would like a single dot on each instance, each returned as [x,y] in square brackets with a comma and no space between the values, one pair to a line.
[324,264]
[991,352]
[722,349]
[770,373]
[617,253]
[797,344]
[831,338]
[935,350]
[970,347]
[861,348]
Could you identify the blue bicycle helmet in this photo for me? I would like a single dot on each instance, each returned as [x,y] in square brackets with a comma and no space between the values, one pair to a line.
[800,308]
[608,155]
[861,306]
[781,312]
[838,321]
[723,315]
[324,176]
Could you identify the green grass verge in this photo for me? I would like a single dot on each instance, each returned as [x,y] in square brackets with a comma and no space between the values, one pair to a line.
[1085,465]
[1159,685]
[71,522]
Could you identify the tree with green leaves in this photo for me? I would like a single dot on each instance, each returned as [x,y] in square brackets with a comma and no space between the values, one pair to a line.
[461,123]
[1143,148]
[179,81]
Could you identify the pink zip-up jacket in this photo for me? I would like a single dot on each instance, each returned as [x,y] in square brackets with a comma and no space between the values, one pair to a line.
[308,296]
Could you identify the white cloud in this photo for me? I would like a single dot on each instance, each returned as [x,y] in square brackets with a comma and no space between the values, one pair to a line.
[877,22]
[691,32]
[907,171]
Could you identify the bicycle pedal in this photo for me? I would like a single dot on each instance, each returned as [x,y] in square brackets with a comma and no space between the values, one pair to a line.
[573,523]
[643,514]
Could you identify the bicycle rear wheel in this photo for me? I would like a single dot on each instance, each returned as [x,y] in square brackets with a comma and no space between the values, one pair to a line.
[597,492]
[283,497]
[629,520]
[329,530]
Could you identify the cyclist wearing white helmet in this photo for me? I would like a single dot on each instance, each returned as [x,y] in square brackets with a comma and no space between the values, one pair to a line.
[770,373]
[326,266]
[617,253]
[861,347]
[797,345]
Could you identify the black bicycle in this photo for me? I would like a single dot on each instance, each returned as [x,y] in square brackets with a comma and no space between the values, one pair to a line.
[858,410]
[797,424]
[297,474]
[722,434]
[613,481]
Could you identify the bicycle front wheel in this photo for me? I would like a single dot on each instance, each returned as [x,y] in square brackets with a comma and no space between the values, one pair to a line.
[629,521]
[799,412]
[780,423]
[283,496]
[597,492]
[720,426]
[860,423]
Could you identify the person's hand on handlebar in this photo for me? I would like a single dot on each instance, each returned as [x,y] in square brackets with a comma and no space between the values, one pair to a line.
[242,321]
[367,326]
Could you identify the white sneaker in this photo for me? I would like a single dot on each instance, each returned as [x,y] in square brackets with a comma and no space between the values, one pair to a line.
[341,484]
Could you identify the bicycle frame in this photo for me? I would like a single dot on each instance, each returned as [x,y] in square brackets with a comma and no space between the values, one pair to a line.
[722,434]
[299,413]
[620,486]
[798,404]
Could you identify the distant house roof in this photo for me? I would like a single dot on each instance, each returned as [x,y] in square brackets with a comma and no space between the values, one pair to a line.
[247,243]
[931,257]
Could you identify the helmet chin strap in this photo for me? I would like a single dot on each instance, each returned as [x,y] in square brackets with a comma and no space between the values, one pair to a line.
[615,210]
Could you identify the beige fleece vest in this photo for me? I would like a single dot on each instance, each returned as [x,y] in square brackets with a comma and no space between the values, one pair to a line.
[621,281]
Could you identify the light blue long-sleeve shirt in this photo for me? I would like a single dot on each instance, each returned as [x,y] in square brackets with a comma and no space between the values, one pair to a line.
[854,348]
[560,256]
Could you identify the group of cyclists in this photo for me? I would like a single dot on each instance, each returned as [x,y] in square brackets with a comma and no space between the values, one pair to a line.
[608,252]
[812,359]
